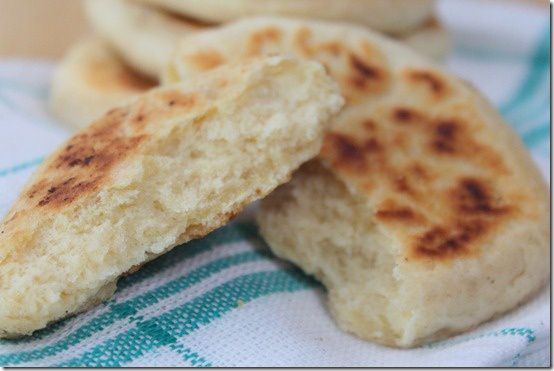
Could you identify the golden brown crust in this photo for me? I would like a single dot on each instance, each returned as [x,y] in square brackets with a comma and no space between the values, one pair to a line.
[460,207]
[424,149]
[149,176]
[444,186]
[88,159]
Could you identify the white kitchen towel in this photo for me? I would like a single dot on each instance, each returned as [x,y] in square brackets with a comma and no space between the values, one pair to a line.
[225,300]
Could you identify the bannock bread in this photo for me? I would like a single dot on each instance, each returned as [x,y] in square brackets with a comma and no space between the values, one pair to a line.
[389,16]
[423,215]
[142,35]
[176,163]
[90,80]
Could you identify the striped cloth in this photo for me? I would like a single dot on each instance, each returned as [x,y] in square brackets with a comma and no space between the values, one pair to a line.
[224,300]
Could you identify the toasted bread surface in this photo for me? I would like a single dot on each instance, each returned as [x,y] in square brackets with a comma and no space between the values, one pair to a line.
[174,164]
[425,214]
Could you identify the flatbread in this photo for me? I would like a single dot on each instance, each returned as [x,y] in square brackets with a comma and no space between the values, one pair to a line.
[389,16]
[424,215]
[173,165]
[90,80]
[142,35]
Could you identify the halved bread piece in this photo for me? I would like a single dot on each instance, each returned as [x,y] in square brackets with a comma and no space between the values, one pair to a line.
[173,165]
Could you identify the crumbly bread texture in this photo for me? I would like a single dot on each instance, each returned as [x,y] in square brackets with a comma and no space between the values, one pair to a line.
[142,35]
[389,16]
[173,165]
[90,80]
[424,215]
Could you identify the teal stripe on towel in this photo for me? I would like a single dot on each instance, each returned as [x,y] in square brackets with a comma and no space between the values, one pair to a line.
[539,68]
[21,167]
[151,333]
[126,310]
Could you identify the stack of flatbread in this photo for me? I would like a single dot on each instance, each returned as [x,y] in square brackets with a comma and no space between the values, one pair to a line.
[411,200]
[135,39]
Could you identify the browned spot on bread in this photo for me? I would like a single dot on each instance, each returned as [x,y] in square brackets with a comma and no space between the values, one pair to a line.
[391,212]
[205,60]
[474,197]
[440,170]
[366,72]
[433,82]
[403,115]
[453,137]
[474,214]
[362,69]
[259,39]
[364,76]
[446,137]
[438,242]
[344,152]
[65,192]
[86,161]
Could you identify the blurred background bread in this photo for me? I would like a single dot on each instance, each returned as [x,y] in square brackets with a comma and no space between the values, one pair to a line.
[90,80]
[139,37]
[23,25]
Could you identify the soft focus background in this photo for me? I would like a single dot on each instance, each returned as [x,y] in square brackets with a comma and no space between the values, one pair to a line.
[23,25]
[224,300]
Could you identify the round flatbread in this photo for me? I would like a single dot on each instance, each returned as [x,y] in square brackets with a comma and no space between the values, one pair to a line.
[424,215]
[143,36]
[90,80]
[176,163]
[389,16]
